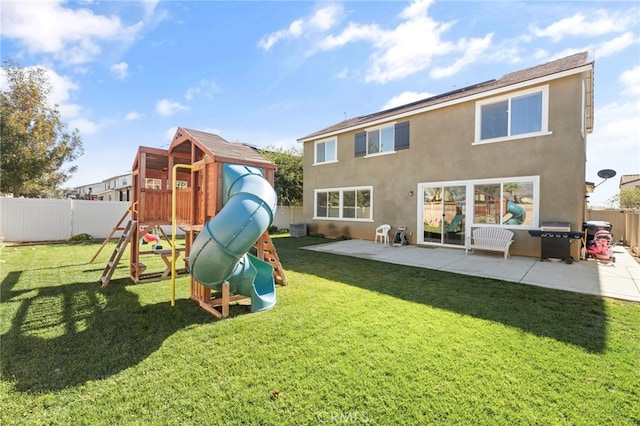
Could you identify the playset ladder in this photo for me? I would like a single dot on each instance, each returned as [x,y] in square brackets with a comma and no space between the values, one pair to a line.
[117,253]
[267,252]
[113,231]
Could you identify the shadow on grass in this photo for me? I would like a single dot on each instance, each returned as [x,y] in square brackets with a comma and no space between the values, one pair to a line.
[569,317]
[66,335]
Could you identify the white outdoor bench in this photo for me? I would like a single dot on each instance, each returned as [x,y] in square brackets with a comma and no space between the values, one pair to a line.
[490,238]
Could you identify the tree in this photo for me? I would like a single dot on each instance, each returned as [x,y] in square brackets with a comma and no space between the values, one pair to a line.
[36,145]
[288,177]
[630,198]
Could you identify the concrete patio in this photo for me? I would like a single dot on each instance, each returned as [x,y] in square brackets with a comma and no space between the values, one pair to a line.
[619,280]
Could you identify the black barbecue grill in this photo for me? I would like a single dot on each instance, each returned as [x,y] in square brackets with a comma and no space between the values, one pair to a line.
[556,240]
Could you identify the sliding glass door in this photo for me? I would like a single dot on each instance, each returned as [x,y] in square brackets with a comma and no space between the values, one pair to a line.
[443,214]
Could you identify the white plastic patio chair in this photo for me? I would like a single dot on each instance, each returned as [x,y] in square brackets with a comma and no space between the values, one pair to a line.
[382,233]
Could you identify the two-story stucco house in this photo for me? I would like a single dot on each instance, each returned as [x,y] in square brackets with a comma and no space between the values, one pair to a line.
[508,153]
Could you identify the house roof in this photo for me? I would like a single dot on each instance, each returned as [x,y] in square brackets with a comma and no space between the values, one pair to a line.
[571,64]
[219,147]
[625,179]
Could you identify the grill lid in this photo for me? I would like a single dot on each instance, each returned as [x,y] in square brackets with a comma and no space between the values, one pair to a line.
[555,226]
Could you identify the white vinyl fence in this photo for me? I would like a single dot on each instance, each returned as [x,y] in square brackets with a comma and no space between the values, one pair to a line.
[31,220]
[286,215]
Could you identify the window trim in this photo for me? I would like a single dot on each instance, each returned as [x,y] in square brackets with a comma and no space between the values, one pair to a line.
[391,124]
[501,181]
[341,191]
[544,130]
[315,151]
[470,201]
[153,183]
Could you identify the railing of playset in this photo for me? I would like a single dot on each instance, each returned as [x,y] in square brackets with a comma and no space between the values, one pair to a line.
[183,206]
[155,205]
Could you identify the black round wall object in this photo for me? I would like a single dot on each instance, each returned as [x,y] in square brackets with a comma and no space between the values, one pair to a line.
[606,173]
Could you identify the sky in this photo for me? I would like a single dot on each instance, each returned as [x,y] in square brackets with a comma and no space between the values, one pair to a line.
[128,73]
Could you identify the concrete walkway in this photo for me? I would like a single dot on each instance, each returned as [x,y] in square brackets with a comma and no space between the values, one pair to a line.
[619,280]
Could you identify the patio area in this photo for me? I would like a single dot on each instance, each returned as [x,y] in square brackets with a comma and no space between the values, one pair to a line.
[619,280]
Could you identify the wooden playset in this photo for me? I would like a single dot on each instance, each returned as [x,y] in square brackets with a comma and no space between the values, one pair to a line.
[196,160]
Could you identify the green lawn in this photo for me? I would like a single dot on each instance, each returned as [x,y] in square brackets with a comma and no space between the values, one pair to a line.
[350,341]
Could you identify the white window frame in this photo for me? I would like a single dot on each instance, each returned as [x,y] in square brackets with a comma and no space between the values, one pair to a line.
[501,181]
[544,129]
[470,223]
[379,130]
[152,183]
[341,207]
[180,184]
[315,151]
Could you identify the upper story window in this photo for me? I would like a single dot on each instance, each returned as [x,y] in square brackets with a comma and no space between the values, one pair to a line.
[325,151]
[513,116]
[381,140]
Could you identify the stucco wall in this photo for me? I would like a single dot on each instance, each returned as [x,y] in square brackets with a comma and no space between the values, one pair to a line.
[441,149]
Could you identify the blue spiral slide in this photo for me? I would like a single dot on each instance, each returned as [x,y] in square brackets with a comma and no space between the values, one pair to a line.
[220,252]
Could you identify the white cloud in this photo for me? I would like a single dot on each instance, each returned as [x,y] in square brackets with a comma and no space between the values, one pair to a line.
[631,80]
[406,98]
[69,111]
[204,87]
[541,53]
[398,52]
[354,32]
[170,133]
[416,9]
[410,47]
[61,87]
[293,31]
[598,23]
[615,142]
[322,20]
[192,92]
[326,17]
[342,74]
[165,107]
[84,126]
[133,115]
[149,6]
[120,70]
[74,115]
[615,45]
[71,35]
[473,49]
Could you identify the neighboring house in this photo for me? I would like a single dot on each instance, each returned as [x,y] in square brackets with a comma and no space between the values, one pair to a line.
[507,153]
[117,188]
[629,181]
